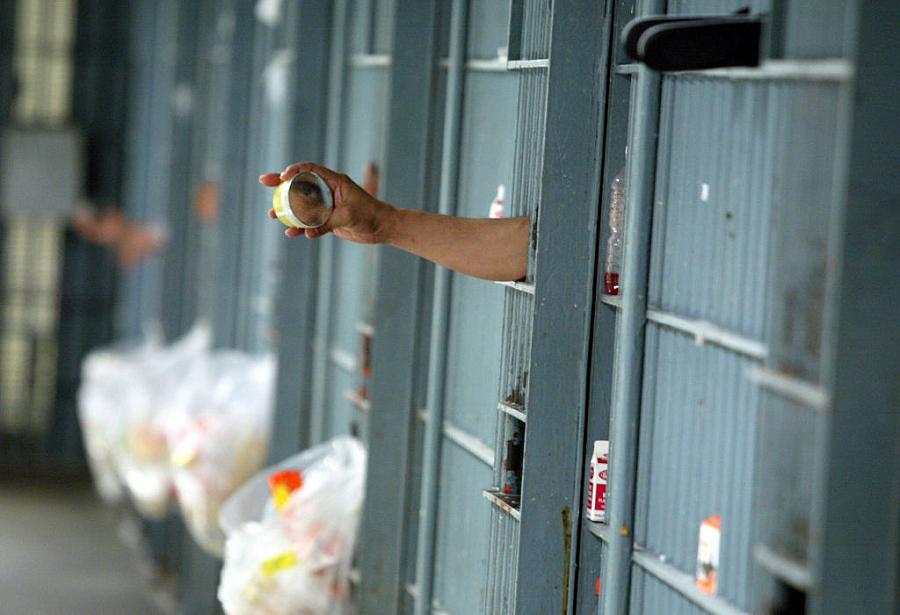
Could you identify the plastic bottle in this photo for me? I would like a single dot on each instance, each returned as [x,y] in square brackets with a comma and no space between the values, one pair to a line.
[497,205]
[616,228]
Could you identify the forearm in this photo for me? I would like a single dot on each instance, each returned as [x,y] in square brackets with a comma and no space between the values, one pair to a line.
[483,248]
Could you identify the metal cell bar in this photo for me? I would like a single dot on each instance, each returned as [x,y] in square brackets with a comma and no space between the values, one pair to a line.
[440,315]
[564,300]
[392,473]
[626,395]
[683,583]
[855,562]
[338,60]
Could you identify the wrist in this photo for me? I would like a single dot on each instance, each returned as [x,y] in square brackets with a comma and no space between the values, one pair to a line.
[388,223]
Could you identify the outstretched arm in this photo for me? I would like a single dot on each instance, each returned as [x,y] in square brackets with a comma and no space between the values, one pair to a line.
[483,248]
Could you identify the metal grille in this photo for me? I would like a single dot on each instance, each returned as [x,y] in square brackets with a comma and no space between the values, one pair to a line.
[32,251]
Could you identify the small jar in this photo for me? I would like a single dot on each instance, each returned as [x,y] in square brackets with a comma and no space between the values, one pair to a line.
[304,201]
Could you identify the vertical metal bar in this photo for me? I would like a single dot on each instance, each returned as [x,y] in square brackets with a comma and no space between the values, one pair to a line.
[561,325]
[338,65]
[296,302]
[440,314]
[856,568]
[629,354]
[398,320]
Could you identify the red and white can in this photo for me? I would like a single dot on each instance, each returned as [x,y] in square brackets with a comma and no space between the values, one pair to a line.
[596,500]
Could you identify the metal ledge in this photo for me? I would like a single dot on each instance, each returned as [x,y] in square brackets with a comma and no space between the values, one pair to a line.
[472,444]
[524,287]
[497,499]
[600,530]
[513,410]
[469,443]
[542,63]
[343,359]
[364,328]
[370,60]
[796,389]
[683,583]
[793,572]
[777,70]
[704,332]
[360,403]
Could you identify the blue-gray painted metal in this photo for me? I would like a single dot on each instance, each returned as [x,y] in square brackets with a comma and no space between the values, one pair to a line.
[296,299]
[626,391]
[570,174]
[439,320]
[859,526]
[333,132]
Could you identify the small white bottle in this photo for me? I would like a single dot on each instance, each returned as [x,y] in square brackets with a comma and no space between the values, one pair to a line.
[596,500]
[498,202]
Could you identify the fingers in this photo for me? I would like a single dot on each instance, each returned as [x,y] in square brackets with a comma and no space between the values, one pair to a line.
[272,214]
[270,179]
[293,232]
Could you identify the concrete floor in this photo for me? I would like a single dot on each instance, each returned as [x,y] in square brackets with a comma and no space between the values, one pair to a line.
[60,554]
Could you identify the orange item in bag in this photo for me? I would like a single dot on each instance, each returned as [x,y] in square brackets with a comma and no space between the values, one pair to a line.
[283,484]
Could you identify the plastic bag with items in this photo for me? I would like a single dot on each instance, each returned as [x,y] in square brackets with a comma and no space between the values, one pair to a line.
[142,456]
[291,533]
[108,385]
[217,430]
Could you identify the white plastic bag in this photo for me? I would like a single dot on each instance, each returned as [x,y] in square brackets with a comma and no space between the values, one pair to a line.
[218,432]
[294,557]
[106,377]
[143,455]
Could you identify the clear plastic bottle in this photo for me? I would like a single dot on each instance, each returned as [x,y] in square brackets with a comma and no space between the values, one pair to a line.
[616,230]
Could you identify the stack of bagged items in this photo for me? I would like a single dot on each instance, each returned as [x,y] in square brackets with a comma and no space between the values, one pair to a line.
[291,532]
[217,431]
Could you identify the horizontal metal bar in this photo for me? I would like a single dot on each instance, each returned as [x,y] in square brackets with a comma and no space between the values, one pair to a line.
[525,287]
[493,496]
[600,530]
[343,359]
[776,70]
[466,441]
[469,443]
[791,571]
[370,60]
[486,65]
[513,410]
[364,328]
[360,402]
[436,608]
[704,331]
[796,389]
[527,64]
[683,583]
[627,69]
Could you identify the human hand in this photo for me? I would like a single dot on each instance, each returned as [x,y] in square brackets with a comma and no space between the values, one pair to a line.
[357,216]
